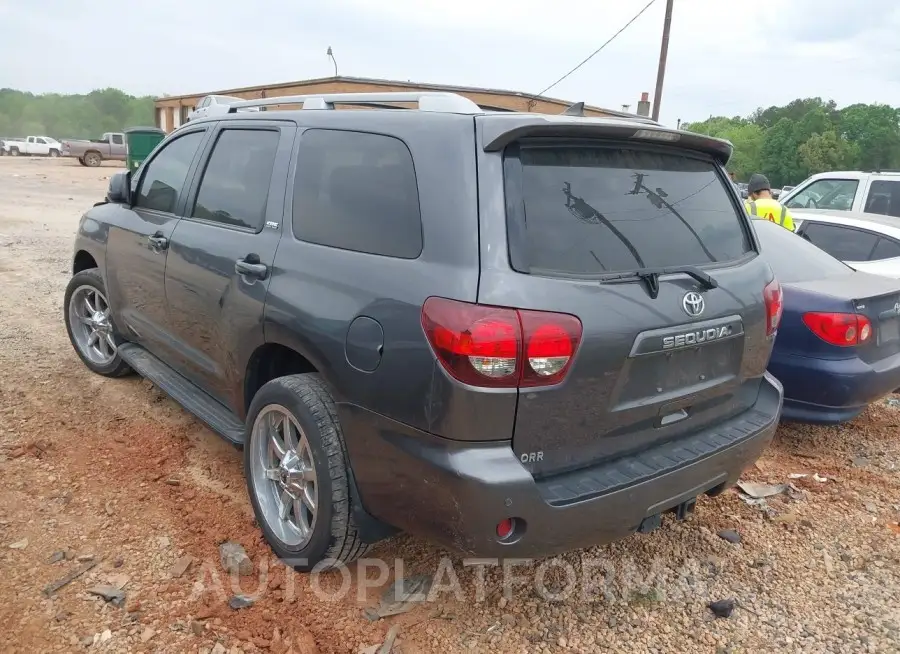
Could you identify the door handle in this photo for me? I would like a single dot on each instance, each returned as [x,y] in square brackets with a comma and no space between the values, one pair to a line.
[158,242]
[251,267]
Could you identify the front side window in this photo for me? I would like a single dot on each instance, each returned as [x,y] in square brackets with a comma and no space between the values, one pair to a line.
[592,210]
[235,184]
[357,191]
[166,173]
[41,141]
[834,194]
[842,243]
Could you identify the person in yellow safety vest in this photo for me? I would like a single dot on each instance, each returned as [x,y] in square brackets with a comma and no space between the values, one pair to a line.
[761,205]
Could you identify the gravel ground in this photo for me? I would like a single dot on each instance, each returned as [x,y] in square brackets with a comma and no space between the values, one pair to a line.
[112,479]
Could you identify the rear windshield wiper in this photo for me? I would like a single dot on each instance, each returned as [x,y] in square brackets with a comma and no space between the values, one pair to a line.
[650,276]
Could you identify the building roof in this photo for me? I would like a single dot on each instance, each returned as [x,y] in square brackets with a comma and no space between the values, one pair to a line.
[387,82]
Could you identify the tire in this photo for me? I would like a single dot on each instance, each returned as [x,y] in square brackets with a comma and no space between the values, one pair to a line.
[14,152]
[92,159]
[332,537]
[81,161]
[103,357]
[54,154]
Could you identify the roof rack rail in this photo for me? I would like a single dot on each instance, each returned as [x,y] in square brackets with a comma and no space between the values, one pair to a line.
[426,101]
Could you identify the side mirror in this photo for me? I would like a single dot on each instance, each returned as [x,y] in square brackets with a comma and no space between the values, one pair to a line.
[119,191]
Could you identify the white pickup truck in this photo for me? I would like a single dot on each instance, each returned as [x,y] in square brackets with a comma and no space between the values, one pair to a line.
[870,192]
[33,146]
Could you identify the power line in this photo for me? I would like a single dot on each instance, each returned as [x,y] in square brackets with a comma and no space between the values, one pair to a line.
[595,52]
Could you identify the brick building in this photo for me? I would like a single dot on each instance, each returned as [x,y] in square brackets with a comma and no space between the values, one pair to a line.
[172,111]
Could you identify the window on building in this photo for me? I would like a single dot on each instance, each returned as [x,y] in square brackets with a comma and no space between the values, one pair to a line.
[165,174]
[357,191]
[235,184]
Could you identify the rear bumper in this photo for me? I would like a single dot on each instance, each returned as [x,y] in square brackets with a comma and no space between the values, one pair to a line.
[825,391]
[455,493]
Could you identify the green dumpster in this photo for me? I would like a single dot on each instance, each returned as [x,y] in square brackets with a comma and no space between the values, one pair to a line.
[139,143]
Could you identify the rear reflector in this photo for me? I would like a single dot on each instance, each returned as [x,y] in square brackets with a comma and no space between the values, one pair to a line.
[841,329]
[774,306]
[500,347]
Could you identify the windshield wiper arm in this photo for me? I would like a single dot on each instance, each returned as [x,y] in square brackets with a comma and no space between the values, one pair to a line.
[650,276]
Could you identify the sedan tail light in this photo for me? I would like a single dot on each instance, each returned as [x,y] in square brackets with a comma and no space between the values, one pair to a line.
[841,329]
[500,347]
[774,306]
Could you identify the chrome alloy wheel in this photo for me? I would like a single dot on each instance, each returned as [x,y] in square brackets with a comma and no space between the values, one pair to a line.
[91,325]
[283,475]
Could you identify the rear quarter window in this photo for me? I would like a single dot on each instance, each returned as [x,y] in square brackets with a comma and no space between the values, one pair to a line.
[357,191]
[589,210]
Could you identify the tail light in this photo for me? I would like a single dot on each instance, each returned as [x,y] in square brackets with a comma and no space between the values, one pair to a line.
[500,347]
[774,306]
[841,329]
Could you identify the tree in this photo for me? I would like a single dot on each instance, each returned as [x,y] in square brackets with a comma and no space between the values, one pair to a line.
[827,151]
[72,116]
[807,136]
[875,128]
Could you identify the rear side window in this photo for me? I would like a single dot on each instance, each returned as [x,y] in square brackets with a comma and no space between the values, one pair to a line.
[884,197]
[357,191]
[794,259]
[235,184]
[843,243]
[588,210]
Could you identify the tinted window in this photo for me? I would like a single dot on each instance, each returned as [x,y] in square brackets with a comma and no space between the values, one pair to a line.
[117,139]
[166,172]
[885,249]
[591,210]
[884,198]
[792,258]
[836,194]
[357,191]
[841,242]
[235,184]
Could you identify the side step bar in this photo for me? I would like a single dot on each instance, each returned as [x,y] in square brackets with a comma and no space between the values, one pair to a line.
[216,416]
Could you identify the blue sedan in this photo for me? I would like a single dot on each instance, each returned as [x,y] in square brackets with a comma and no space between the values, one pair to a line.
[838,344]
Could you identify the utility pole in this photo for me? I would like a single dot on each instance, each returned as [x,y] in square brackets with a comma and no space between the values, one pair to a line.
[663,55]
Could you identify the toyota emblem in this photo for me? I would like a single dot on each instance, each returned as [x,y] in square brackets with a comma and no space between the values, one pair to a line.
[693,304]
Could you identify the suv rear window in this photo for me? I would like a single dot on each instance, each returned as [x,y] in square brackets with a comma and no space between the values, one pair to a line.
[589,210]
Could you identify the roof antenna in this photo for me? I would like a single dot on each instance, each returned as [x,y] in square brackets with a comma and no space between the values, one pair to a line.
[576,109]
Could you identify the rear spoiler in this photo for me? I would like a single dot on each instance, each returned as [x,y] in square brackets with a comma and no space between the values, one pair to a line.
[500,131]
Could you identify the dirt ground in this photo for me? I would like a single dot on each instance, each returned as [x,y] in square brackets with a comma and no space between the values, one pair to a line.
[111,479]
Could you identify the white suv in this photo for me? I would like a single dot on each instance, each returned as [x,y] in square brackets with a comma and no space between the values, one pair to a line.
[848,191]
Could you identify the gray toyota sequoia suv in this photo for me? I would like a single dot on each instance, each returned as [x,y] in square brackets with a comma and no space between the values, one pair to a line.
[511,334]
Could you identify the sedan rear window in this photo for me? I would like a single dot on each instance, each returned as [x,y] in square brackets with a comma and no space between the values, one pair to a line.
[794,259]
[589,210]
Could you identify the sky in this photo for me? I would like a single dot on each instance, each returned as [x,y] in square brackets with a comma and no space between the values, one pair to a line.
[726,57]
